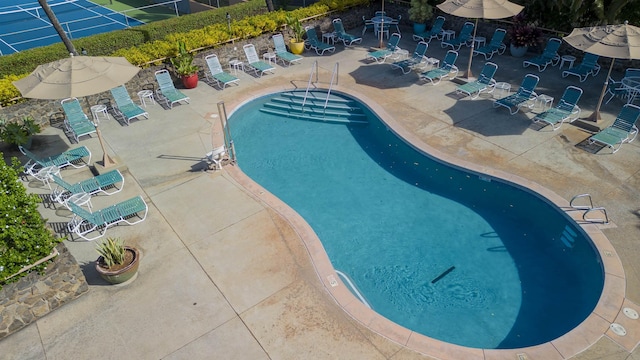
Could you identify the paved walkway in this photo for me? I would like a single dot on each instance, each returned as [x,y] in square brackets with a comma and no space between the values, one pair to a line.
[225,276]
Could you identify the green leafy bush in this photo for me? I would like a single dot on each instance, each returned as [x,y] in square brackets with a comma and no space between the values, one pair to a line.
[24,238]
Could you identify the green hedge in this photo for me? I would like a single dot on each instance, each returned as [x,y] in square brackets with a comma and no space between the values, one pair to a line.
[24,239]
[143,44]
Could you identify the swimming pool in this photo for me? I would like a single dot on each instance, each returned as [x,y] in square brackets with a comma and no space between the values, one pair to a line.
[459,257]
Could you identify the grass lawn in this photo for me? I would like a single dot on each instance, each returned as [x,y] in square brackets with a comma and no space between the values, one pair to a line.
[150,14]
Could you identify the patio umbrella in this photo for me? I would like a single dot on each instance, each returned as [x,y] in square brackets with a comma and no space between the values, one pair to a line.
[486,9]
[77,76]
[613,41]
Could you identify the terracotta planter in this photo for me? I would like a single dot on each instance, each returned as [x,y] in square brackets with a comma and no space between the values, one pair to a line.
[190,81]
[122,274]
[296,47]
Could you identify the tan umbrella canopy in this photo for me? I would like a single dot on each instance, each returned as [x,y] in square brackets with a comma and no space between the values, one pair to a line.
[77,76]
[485,9]
[614,41]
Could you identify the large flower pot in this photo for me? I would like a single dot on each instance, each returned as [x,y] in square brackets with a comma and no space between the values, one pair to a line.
[419,28]
[190,81]
[296,47]
[120,273]
[518,51]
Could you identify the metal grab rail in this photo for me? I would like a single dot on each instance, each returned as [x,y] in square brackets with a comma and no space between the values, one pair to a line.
[314,70]
[347,280]
[226,133]
[589,209]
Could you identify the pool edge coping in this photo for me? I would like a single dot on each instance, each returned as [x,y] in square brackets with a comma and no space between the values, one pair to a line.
[580,338]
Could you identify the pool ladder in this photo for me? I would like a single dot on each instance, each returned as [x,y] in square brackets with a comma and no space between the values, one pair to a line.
[334,78]
[589,209]
[353,287]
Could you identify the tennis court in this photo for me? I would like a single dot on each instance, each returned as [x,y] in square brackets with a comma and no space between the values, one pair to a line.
[24,25]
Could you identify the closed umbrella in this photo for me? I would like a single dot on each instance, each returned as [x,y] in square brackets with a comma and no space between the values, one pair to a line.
[613,41]
[77,76]
[485,9]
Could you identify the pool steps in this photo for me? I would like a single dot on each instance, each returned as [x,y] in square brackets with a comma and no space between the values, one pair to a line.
[316,107]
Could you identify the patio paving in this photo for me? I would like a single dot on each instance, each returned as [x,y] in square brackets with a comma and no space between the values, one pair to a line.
[224,275]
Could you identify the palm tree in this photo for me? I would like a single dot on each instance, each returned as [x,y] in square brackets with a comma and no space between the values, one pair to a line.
[56,25]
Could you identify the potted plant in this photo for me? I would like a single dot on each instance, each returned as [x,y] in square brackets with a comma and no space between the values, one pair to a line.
[19,133]
[523,35]
[117,263]
[183,64]
[296,44]
[419,12]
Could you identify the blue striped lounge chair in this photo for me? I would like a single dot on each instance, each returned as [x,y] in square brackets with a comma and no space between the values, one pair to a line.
[380,56]
[167,91]
[74,157]
[588,66]
[85,223]
[418,55]
[447,69]
[495,46]
[76,121]
[125,107]
[315,44]
[623,130]
[282,53]
[102,184]
[216,74]
[484,83]
[523,97]
[462,39]
[434,32]
[342,35]
[566,110]
[260,67]
[548,56]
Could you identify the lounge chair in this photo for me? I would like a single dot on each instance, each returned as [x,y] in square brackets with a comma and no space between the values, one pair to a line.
[522,97]
[282,53]
[103,183]
[76,121]
[347,39]
[216,74]
[418,55]
[259,67]
[588,66]
[623,129]
[434,32]
[74,157]
[447,69]
[484,83]
[85,222]
[380,56]
[462,39]
[549,56]
[566,110]
[314,43]
[167,91]
[495,46]
[125,107]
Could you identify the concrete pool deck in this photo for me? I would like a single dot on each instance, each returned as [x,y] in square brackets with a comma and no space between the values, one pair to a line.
[225,275]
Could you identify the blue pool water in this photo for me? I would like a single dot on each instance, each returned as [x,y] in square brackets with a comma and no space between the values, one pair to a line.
[444,252]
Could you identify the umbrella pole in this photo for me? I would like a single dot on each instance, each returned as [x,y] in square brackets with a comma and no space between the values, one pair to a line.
[469,75]
[107,161]
[381,28]
[595,116]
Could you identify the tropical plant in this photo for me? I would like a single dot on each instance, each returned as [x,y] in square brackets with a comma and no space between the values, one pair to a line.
[296,28]
[420,11]
[18,132]
[24,237]
[523,33]
[112,251]
[183,62]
